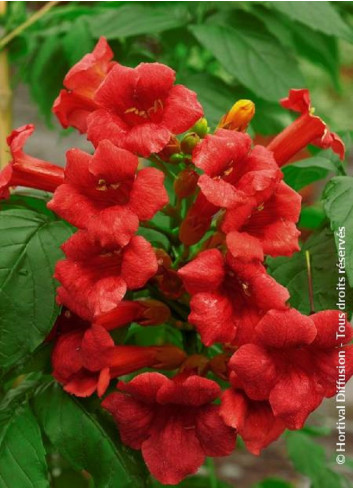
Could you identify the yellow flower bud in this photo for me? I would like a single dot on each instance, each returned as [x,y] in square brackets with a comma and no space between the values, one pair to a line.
[239,116]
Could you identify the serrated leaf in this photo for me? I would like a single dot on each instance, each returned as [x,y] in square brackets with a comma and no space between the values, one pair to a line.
[292,273]
[83,442]
[309,459]
[304,172]
[22,454]
[338,205]
[320,16]
[133,20]
[29,243]
[256,60]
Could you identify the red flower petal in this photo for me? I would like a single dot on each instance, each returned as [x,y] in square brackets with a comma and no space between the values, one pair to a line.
[294,397]
[286,329]
[297,100]
[216,152]
[182,109]
[244,247]
[66,358]
[145,386]
[154,81]
[113,226]
[148,194]
[255,369]
[95,348]
[82,384]
[212,314]
[132,417]
[206,272]
[114,165]
[219,192]
[103,381]
[333,329]
[254,420]
[194,391]
[139,263]
[173,451]
[216,438]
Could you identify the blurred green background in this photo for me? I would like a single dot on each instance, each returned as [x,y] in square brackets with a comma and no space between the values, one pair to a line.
[224,51]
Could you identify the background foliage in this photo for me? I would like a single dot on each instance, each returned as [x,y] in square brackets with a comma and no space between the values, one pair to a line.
[224,51]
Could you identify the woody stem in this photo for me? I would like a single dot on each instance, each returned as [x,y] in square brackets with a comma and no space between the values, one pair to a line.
[310,281]
[5,99]
[27,23]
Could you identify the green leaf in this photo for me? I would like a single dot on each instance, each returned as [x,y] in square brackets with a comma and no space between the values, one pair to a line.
[215,96]
[194,481]
[46,72]
[319,16]
[292,273]
[312,217]
[304,172]
[309,459]
[318,48]
[29,244]
[22,454]
[83,442]
[256,60]
[274,482]
[78,41]
[134,20]
[338,205]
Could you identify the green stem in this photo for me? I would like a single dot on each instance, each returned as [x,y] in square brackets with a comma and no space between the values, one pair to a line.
[211,472]
[310,281]
[162,166]
[27,23]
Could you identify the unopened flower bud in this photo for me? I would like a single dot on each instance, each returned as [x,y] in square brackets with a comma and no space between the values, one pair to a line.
[186,183]
[201,127]
[168,357]
[154,312]
[189,142]
[197,364]
[172,148]
[177,158]
[219,365]
[239,116]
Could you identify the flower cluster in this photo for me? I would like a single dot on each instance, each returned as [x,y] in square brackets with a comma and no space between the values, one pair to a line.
[227,207]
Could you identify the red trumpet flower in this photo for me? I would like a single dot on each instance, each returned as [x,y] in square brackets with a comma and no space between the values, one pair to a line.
[25,170]
[141,108]
[73,105]
[105,194]
[293,363]
[229,296]
[172,421]
[307,129]
[85,360]
[94,279]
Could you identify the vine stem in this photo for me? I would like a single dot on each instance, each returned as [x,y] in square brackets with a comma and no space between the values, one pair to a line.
[5,99]
[162,166]
[211,472]
[27,23]
[310,281]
